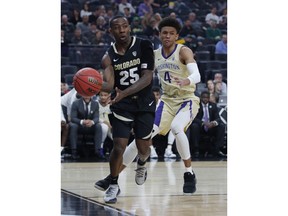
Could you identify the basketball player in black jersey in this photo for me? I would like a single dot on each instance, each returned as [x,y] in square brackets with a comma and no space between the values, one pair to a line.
[128,72]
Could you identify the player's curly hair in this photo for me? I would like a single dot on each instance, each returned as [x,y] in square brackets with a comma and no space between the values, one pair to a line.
[171,22]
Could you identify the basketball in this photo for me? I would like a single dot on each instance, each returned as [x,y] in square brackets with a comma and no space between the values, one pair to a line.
[87,81]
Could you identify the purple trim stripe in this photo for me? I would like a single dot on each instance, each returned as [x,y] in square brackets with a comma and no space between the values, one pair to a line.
[184,104]
[162,52]
[158,113]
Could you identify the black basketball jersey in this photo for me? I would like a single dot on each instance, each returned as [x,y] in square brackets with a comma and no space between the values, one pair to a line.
[127,70]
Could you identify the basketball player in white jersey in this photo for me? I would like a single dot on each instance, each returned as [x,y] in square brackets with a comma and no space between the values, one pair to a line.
[178,106]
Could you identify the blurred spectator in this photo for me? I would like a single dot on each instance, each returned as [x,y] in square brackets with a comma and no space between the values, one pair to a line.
[223,20]
[179,6]
[221,5]
[66,25]
[102,10]
[78,38]
[125,4]
[98,39]
[222,88]
[136,27]
[213,32]
[84,25]
[145,20]
[175,16]
[64,130]
[214,97]
[158,18]
[196,24]
[189,35]
[67,100]
[64,86]
[212,16]
[101,24]
[152,28]
[96,13]
[145,8]
[64,44]
[128,15]
[159,6]
[85,10]
[91,33]
[109,15]
[221,46]
[78,53]
[75,18]
[85,120]
[207,122]
[218,87]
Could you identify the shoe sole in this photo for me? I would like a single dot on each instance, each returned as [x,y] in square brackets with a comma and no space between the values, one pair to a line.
[100,188]
[112,201]
[189,193]
[170,156]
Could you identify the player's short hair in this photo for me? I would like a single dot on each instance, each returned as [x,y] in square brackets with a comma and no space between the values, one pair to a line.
[171,22]
[116,17]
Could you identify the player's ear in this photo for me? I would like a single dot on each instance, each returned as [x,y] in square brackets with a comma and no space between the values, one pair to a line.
[177,36]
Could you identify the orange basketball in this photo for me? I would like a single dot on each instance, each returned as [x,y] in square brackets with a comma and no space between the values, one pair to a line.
[87,81]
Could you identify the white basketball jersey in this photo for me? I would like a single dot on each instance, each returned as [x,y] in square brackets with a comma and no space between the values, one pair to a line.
[172,66]
[103,112]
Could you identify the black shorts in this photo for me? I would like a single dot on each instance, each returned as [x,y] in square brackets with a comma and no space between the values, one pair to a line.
[142,124]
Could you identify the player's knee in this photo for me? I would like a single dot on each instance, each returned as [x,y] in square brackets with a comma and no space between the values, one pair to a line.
[118,149]
[175,129]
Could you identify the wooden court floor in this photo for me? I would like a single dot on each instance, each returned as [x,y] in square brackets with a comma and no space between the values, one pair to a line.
[160,195]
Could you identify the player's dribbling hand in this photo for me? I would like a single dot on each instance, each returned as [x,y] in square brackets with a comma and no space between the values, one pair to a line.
[119,96]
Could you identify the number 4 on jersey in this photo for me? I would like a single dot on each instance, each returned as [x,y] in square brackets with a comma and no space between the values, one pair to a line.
[167,77]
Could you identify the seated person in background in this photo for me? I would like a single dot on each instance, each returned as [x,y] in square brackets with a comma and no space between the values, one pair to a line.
[213,32]
[85,120]
[221,46]
[64,130]
[207,122]
[64,86]
[67,101]
[218,77]
[104,111]
[214,97]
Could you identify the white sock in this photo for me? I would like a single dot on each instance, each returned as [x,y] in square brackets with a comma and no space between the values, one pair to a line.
[189,169]
[130,153]
[169,147]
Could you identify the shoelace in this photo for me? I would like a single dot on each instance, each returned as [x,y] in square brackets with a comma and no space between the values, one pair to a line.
[140,172]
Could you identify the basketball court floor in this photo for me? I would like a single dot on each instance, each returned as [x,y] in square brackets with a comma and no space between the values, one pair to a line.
[161,194]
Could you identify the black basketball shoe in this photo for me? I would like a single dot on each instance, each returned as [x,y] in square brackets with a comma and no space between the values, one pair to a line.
[189,186]
[103,184]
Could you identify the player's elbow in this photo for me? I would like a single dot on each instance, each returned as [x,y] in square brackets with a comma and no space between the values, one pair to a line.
[197,78]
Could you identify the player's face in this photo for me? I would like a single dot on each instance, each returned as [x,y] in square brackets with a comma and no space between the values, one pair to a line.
[104,97]
[120,30]
[168,36]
